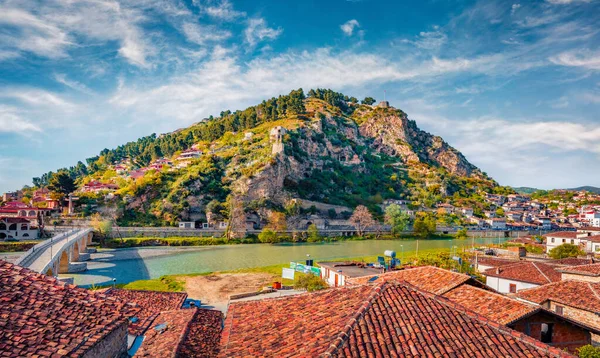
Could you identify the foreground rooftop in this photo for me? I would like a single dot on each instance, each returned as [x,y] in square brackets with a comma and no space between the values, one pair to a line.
[387,319]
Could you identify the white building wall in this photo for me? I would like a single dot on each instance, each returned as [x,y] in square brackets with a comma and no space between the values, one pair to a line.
[502,285]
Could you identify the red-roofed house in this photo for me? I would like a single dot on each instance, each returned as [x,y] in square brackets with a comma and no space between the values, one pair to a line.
[17,228]
[520,276]
[41,317]
[588,241]
[390,319]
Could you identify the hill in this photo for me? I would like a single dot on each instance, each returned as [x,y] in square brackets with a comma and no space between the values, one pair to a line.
[327,150]
[525,190]
[591,189]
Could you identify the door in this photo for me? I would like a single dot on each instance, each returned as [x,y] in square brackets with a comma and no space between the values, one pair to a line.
[336,280]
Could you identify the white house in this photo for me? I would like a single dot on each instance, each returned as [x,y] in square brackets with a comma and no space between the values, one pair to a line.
[587,241]
[337,273]
[17,228]
[468,212]
[497,223]
[520,276]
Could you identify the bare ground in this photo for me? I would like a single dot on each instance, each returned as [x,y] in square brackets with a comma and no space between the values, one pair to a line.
[216,288]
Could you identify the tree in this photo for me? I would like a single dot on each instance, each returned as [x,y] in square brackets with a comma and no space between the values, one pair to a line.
[588,351]
[101,226]
[396,218]
[500,212]
[268,236]
[236,223]
[361,219]
[368,100]
[313,233]
[461,234]
[424,225]
[277,221]
[565,250]
[61,183]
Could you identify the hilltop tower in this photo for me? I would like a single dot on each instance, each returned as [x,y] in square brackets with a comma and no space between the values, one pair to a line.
[276,136]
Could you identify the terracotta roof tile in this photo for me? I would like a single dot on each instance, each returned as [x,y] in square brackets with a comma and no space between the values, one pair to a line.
[563,234]
[526,271]
[492,305]
[493,261]
[165,342]
[204,334]
[586,270]
[151,303]
[428,278]
[388,319]
[40,316]
[578,294]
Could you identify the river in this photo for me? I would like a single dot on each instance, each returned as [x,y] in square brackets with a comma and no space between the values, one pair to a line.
[127,265]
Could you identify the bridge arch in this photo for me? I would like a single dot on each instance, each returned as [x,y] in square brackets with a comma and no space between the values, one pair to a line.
[63,266]
[75,251]
[49,272]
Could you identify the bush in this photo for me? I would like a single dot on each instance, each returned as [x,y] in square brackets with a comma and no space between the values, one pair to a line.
[313,233]
[310,283]
[268,236]
[588,351]
[565,250]
[461,234]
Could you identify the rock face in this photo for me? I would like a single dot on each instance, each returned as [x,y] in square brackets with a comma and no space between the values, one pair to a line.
[319,143]
[396,135]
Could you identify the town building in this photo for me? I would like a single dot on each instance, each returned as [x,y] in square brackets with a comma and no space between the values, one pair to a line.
[588,241]
[337,273]
[385,319]
[573,299]
[42,317]
[95,186]
[17,209]
[497,223]
[528,318]
[589,273]
[520,276]
[17,228]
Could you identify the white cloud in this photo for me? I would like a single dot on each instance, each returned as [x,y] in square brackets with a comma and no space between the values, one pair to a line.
[578,58]
[349,26]
[202,34]
[37,98]
[563,2]
[514,8]
[430,40]
[562,102]
[224,11]
[78,86]
[11,121]
[258,31]
[591,97]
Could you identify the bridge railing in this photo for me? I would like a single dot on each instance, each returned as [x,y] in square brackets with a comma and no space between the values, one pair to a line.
[32,254]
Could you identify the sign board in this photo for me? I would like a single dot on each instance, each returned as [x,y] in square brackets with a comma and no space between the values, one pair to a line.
[305,268]
[288,273]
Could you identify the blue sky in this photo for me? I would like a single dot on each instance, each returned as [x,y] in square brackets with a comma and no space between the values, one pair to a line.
[514,85]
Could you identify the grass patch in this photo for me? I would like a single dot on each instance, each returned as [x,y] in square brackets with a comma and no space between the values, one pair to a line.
[163,283]
[17,246]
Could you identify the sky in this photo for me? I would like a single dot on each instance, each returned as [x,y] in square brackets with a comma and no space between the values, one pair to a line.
[515,86]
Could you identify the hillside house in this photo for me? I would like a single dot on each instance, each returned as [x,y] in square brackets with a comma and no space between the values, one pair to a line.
[497,223]
[189,154]
[467,212]
[95,186]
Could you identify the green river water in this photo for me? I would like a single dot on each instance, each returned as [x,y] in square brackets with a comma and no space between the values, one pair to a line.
[105,267]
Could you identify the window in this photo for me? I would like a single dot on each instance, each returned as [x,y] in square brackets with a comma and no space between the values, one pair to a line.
[559,309]
[572,242]
[512,288]
[563,241]
[552,240]
[546,336]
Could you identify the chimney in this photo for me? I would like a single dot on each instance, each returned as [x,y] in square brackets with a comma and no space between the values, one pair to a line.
[497,270]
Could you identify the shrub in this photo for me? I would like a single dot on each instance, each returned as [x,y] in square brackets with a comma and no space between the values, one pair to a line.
[310,282]
[461,234]
[268,236]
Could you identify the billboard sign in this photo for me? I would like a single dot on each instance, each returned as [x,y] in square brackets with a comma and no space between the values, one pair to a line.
[288,273]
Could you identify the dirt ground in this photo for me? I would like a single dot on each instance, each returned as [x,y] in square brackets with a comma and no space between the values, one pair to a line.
[217,288]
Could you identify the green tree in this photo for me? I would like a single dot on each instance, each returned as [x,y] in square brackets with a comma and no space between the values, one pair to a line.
[396,218]
[313,233]
[368,100]
[461,234]
[565,250]
[500,212]
[424,225]
[268,236]
[61,183]
[588,351]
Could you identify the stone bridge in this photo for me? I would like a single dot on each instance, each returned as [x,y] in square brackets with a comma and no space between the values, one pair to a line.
[63,253]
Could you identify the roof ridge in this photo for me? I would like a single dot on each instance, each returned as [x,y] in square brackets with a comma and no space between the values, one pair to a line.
[341,338]
[589,284]
[543,274]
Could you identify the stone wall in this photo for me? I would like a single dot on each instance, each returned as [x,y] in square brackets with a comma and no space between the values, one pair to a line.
[564,334]
[114,345]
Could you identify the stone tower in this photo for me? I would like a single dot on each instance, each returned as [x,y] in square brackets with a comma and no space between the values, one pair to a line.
[276,136]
